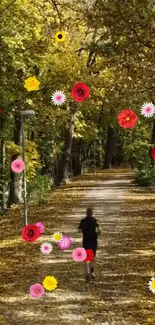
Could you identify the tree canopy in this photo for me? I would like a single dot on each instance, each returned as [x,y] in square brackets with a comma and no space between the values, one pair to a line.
[109,46]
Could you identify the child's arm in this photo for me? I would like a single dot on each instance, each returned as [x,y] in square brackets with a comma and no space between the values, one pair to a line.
[80,227]
[98,228]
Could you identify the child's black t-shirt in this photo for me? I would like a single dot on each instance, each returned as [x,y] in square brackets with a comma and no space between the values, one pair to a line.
[89,228]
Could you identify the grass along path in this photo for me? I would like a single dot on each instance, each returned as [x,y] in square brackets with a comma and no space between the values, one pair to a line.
[123,267]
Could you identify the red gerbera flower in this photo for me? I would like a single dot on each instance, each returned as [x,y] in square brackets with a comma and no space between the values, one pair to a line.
[80,92]
[127,118]
[30,233]
[90,255]
[153,152]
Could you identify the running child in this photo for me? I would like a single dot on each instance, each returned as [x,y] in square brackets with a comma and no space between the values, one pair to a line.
[90,231]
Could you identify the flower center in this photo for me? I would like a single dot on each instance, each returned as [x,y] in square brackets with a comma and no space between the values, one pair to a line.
[36,291]
[79,254]
[18,166]
[31,232]
[128,118]
[57,237]
[148,109]
[32,83]
[153,285]
[59,97]
[46,248]
[80,92]
[60,36]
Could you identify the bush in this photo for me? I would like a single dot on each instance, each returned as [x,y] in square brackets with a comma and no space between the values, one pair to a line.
[39,189]
[145,177]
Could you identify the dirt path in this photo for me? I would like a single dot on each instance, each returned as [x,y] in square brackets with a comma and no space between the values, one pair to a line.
[120,295]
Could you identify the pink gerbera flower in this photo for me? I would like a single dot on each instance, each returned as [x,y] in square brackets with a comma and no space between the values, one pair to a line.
[148,110]
[46,248]
[40,227]
[58,98]
[64,243]
[79,254]
[37,290]
[18,166]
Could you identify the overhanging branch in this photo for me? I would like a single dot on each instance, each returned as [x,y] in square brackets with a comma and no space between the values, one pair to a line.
[7,7]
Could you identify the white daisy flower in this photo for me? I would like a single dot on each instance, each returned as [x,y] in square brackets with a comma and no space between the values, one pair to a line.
[148,110]
[58,98]
[46,248]
[57,236]
[151,285]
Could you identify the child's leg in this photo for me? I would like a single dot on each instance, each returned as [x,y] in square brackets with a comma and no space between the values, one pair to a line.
[87,268]
[92,266]
[92,262]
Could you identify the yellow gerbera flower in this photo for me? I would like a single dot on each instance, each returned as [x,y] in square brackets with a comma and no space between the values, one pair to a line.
[57,236]
[50,283]
[31,84]
[60,37]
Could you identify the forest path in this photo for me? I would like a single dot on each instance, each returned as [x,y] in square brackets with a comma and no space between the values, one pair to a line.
[120,295]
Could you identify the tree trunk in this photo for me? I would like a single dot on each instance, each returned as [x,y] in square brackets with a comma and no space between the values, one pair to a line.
[152,142]
[99,155]
[2,176]
[63,168]
[76,157]
[76,166]
[15,195]
[109,149]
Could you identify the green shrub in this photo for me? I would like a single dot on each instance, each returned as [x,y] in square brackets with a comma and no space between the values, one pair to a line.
[39,190]
[145,177]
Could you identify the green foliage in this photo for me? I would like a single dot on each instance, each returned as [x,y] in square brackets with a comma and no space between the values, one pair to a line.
[32,157]
[145,176]
[139,152]
[32,160]
[39,189]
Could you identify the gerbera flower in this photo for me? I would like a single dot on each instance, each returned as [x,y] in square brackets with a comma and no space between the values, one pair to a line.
[64,243]
[57,236]
[50,283]
[79,254]
[31,84]
[90,255]
[40,227]
[153,152]
[151,285]
[127,118]
[30,233]
[80,92]
[37,290]
[46,248]
[148,110]
[58,98]
[18,166]
[60,37]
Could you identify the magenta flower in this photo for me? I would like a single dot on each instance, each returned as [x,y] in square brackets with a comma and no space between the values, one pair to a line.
[18,166]
[40,227]
[37,290]
[64,243]
[79,254]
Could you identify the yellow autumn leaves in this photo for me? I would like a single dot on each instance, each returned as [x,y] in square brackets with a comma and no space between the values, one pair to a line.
[32,83]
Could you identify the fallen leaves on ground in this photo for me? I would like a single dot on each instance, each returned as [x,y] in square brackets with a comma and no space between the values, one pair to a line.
[125,260]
